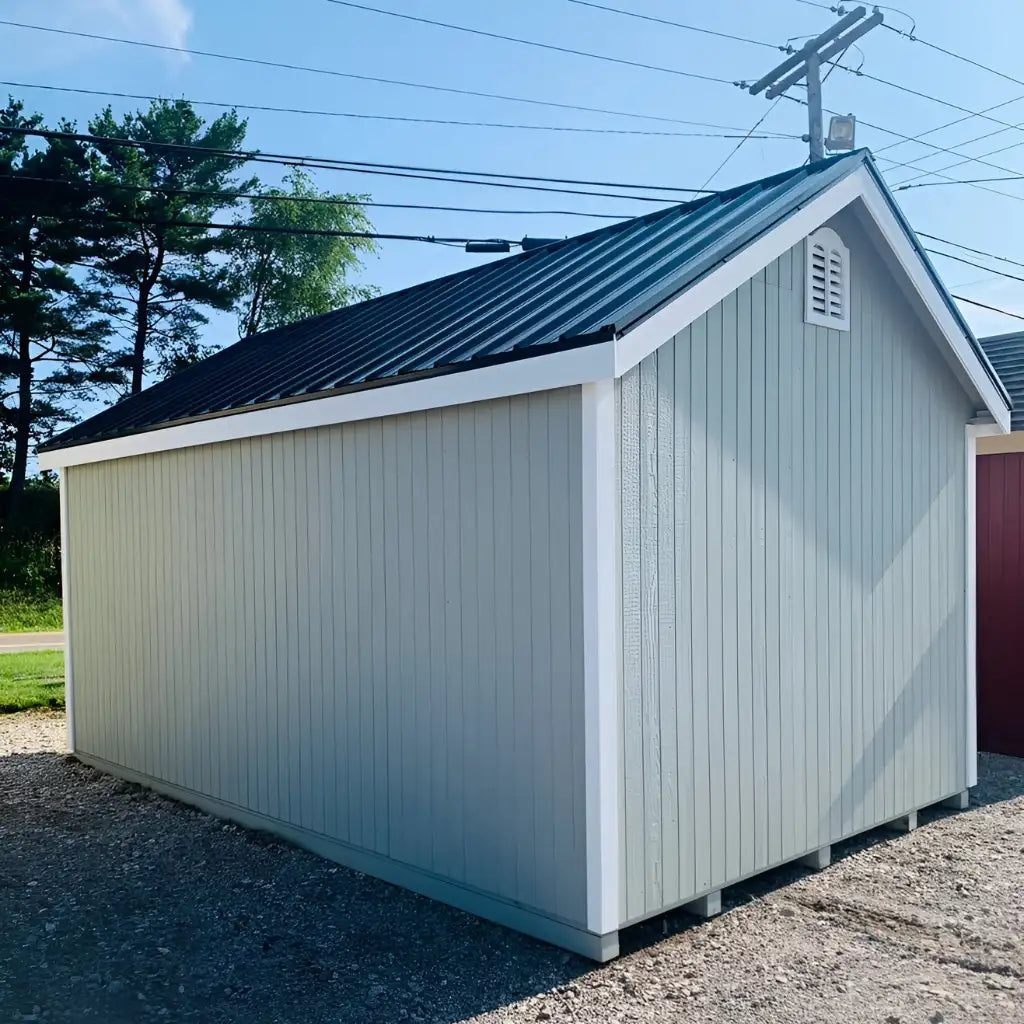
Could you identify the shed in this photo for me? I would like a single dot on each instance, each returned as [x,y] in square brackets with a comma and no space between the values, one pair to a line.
[567,589]
[1001,563]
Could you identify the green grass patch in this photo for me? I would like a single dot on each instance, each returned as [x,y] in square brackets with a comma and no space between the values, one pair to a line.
[32,680]
[29,613]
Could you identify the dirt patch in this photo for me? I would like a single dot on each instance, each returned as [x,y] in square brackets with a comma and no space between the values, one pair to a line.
[118,905]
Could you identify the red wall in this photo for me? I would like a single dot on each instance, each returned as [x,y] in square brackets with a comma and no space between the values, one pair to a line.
[1001,603]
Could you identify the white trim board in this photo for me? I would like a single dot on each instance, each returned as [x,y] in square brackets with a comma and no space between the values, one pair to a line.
[600,655]
[972,433]
[588,363]
[65,584]
[520,377]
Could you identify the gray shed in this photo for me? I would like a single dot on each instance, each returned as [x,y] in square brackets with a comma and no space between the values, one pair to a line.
[568,589]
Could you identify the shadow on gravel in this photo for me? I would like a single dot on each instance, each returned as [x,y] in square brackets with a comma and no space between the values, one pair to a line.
[120,905]
[1000,778]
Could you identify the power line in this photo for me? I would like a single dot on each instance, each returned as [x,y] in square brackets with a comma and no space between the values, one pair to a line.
[679,24]
[314,232]
[983,305]
[951,124]
[395,117]
[388,170]
[978,252]
[914,38]
[978,266]
[167,48]
[736,148]
[324,200]
[967,160]
[961,181]
[534,42]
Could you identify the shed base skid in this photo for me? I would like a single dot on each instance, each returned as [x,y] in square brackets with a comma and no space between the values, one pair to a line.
[819,859]
[958,801]
[904,823]
[708,905]
[522,919]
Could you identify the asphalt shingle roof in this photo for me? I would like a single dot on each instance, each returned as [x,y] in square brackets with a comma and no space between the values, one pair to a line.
[570,293]
[1006,354]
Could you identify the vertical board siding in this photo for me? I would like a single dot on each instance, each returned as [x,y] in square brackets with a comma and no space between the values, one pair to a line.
[792,569]
[371,631]
[1000,599]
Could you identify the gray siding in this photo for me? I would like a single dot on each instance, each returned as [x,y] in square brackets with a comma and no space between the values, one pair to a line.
[371,632]
[792,559]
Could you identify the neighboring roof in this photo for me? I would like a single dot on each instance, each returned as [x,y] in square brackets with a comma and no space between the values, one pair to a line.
[1006,354]
[569,294]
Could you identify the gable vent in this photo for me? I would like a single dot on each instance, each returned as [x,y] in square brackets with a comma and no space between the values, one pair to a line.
[828,281]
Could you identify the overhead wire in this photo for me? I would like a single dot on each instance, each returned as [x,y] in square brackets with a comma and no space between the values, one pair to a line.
[736,148]
[318,200]
[985,305]
[679,24]
[494,179]
[733,133]
[535,43]
[238,58]
[283,230]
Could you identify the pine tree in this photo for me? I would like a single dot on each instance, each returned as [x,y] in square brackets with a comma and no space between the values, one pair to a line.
[52,324]
[161,273]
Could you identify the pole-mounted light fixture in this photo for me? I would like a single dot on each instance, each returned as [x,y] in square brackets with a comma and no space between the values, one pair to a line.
[841,132]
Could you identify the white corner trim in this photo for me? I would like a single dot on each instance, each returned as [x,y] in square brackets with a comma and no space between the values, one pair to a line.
[65,589]
[973,432]
[600,656]
[637,344]
[519,377]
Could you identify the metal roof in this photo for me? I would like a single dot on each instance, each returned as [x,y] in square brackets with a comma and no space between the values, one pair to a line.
[1006,353]
[570,293]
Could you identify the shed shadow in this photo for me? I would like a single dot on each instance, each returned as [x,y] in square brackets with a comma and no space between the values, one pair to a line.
[157,905]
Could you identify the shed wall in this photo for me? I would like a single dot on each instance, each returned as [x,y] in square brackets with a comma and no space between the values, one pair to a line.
[370,632]
[793,578]
[1000,600]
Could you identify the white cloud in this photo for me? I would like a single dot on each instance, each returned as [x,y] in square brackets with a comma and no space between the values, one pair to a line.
[156,21]
[167,22]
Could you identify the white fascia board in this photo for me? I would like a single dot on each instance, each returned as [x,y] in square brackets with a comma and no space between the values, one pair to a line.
[972,433]
[923,284]
[639,342]
[650,334]
[600,655]
[518,377]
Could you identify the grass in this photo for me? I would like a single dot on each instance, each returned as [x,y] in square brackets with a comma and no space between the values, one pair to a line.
[32,680]
[26,613]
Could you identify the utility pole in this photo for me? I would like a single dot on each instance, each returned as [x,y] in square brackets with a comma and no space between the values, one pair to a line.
[807,63]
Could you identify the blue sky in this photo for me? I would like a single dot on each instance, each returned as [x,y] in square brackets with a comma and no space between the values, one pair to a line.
[319,33]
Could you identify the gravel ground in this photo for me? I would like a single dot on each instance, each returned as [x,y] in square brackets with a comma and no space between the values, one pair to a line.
[117,905]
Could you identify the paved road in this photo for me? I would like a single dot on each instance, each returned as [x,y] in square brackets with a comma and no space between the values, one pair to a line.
[11,643]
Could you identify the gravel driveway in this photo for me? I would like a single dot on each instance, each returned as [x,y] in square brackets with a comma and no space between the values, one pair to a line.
[117,905]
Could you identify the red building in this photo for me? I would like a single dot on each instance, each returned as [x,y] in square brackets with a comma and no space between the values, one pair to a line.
[1000,512]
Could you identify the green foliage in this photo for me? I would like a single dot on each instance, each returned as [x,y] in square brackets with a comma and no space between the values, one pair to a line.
[102,280]
[160,273]
[281,278]
[29,613]
[52,326]
[30,562]
[34,680]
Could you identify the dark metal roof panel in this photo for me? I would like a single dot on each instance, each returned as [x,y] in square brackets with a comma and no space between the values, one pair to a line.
[1006,353]
[567,293]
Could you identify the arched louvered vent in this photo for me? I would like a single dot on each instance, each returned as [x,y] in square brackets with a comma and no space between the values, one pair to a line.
[827,282]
